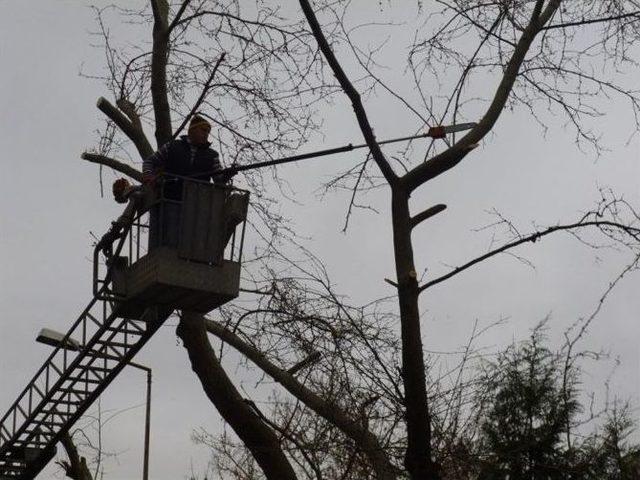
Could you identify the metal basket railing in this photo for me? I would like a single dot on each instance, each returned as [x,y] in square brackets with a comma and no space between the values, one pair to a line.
[205,224]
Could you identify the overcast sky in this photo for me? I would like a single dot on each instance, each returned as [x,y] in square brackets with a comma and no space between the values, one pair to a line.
[51,203]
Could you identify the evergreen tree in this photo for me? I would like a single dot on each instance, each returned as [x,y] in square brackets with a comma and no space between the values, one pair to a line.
[530,403]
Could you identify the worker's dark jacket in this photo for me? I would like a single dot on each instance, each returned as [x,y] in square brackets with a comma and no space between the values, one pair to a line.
[180,157]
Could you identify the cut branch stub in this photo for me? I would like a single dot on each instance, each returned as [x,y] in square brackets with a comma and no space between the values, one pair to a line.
[136,135]
[428,213]
[113,163]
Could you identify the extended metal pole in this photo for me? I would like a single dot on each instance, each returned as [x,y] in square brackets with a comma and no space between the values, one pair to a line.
[433,132]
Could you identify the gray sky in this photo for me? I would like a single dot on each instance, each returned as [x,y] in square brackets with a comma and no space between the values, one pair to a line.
[51,202]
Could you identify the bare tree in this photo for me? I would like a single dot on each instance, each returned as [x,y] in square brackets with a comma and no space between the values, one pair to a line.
[260,75]
[524,33]
[243,97]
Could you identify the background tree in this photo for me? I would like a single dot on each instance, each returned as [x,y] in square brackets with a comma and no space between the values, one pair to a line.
[612,453]
[536,422]
[528,409]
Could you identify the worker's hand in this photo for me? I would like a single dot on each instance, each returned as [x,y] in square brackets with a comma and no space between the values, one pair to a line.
[106,242]
[225,177]
[150,181]
[437,132]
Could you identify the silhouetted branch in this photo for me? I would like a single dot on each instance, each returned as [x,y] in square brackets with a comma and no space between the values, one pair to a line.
[113,163]
[534,237]
[136,135]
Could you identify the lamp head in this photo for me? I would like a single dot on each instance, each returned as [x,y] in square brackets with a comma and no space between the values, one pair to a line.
[56,339]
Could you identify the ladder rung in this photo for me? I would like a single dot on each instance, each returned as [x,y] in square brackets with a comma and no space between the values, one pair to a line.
[53,411]
[38,432]
[101,355]
[125,331]
[51,425]
[36,443]
[73,390]
[86,380]
[49,415]
[109,343]
[67,402]
[97,369]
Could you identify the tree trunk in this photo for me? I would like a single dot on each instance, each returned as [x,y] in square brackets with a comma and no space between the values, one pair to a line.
[252,431]
[159,58]
[418,461]
[76,468]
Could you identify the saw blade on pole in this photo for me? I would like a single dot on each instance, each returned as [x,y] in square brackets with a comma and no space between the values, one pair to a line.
[442,130]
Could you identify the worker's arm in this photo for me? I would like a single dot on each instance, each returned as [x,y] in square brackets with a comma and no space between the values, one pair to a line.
[154,164]
[138,201]
[215,167]
[221,178]
[135,204]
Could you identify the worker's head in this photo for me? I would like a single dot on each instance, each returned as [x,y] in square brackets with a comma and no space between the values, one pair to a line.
[199,129]
[120,187]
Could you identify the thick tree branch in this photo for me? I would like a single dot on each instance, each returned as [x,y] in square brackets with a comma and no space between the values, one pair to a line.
[537,10]
[592,21]
[179,13]
[310,360]
[261,441]
[136,135]
[351,427]
[453,155]
[159,58]
[160,9]
[351,92]
[548,13]
[634,232]
[418,455]
[113,163]
[76,468]
[129,110]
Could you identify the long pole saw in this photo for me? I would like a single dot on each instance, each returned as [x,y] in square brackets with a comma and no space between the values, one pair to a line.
[434,132]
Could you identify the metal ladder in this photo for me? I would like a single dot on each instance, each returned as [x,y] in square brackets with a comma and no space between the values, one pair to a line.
[67,384]
[113,328]
[96,348]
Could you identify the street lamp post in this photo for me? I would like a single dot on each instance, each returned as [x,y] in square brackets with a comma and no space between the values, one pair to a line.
[147,419]
[55,339]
